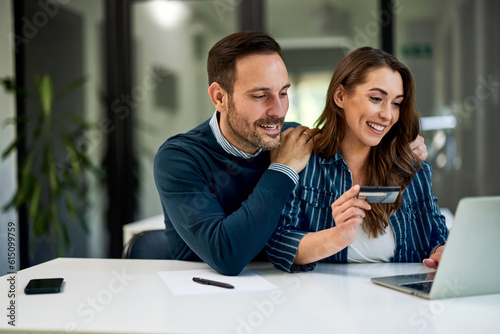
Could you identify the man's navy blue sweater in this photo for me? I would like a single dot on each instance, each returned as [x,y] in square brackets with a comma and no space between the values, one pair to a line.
[218,208]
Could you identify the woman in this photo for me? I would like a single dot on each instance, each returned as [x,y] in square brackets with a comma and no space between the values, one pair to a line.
[368,123]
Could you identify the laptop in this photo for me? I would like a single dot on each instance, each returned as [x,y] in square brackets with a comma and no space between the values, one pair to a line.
[470,264]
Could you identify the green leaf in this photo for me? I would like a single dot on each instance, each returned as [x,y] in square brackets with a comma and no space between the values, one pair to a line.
[45,93]
[27,168]
[39,223]
[83,223]
[80,121]
[55,185]
[98,172]
[54,219]
[66,239]
[10,86]
[20,197]
[35,202]
[70,180]
[84,160]
[72,153]
[71,86]
[12,146]
[38,127]
[70,204]
[16,120]
[73,184]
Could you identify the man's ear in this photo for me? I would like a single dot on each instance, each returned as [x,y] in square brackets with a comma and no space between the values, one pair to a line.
[219,96]
[339,96]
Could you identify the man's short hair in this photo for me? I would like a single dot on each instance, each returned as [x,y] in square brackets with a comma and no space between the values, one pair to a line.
[221,64]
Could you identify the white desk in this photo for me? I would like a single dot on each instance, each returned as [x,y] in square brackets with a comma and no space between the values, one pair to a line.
[333,299]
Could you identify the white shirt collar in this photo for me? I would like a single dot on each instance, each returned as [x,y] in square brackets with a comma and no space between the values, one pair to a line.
[230,149]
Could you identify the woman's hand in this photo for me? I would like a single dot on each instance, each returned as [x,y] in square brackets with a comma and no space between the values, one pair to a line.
[433,260]
[418,147]
[348,213]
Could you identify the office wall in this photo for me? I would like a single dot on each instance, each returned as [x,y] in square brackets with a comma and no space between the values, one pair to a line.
[7,110]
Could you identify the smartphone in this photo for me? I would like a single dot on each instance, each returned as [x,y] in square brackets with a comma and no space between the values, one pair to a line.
[379,194]
[43,285]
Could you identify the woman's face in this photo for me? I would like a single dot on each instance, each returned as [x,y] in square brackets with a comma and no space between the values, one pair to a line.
[373,108]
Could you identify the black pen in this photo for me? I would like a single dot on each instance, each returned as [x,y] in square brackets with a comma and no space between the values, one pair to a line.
[214,283]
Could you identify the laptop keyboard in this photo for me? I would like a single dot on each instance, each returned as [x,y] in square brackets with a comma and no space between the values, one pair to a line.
[421,286]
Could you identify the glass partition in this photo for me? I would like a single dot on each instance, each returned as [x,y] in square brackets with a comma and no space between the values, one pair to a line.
[452,49]
[315,35]
[170,44]
[64,42]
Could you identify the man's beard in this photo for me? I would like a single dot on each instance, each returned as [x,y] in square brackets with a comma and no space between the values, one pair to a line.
[249,133]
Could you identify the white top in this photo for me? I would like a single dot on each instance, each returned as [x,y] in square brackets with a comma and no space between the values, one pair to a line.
[366,249]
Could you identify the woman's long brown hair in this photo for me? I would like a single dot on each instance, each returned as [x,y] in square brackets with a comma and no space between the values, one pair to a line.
[392,162]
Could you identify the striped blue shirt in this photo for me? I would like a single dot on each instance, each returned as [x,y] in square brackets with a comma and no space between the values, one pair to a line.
[230,149]
[418,224]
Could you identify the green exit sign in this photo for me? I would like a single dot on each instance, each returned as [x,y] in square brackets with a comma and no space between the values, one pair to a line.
[417,50]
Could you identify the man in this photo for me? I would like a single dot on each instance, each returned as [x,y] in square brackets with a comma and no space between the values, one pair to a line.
[222,194]
[221,190]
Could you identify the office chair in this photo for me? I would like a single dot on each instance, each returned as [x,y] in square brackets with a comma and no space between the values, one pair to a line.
[152,244]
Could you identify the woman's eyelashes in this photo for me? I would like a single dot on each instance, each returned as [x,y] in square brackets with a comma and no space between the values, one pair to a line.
[398,103]
[376,99]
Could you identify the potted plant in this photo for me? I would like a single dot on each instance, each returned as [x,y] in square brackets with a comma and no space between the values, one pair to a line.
[46,186]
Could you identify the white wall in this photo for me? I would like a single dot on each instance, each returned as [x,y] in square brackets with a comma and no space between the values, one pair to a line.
[7,110]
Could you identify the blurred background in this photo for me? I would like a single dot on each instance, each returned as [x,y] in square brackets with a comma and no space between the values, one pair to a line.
[137,75]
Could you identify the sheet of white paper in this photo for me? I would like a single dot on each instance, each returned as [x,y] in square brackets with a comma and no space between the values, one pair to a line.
[181,282]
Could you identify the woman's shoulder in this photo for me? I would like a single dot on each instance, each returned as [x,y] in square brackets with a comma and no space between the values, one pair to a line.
[421,184]
[425,171]
[319,165]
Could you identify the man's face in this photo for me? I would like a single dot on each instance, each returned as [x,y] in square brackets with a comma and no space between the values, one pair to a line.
[257,108]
